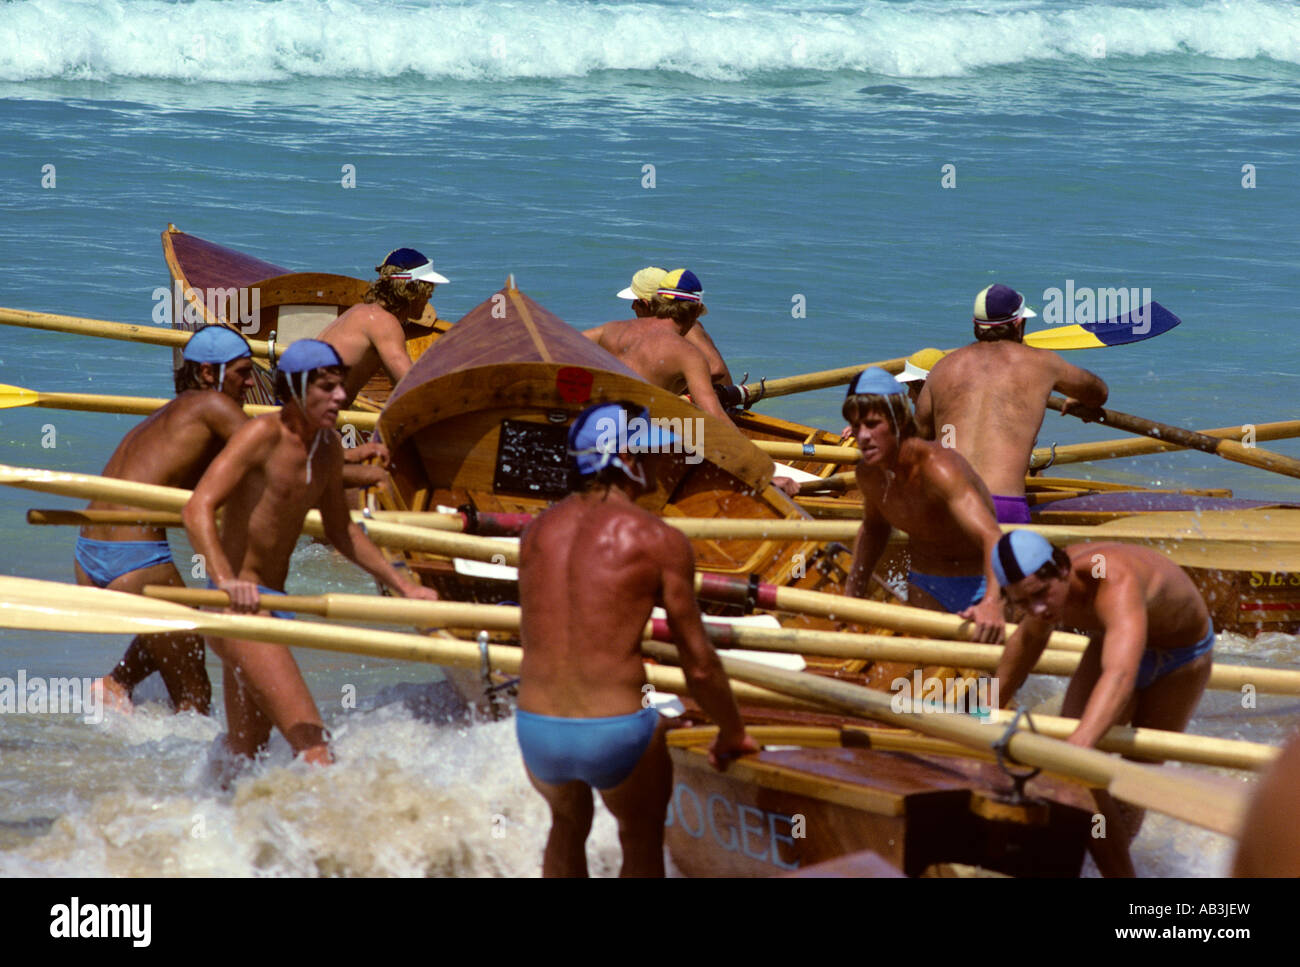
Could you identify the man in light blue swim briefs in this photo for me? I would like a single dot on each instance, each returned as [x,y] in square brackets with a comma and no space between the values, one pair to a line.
[591,569]
[1151,651]
[930,492]
[171,448]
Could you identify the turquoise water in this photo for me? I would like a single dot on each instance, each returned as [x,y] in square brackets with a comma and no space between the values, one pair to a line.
[798,150]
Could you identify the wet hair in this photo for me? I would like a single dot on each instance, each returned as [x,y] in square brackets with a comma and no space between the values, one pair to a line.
[1006,332]
[190,376]
[284,392]
[897,407]
[397,296]
[678,310]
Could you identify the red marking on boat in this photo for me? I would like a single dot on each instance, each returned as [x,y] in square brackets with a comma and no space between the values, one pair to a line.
[574,384]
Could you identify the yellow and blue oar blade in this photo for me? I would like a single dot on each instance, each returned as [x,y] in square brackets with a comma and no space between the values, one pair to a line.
[1144,322]
[11,396]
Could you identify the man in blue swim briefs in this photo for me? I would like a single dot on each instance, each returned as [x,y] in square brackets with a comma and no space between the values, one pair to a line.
[171,448]
[591,569]
[1150,655]
[274,469]
[987,399]
[929,491]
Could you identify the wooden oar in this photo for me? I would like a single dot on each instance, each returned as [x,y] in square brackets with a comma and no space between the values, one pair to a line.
[1125,740]
[1112,449]
[808,451]
[830,644]
[1202,800]
[14,396]
[1118,331]
[1228,449]
[50,606]
[77,325]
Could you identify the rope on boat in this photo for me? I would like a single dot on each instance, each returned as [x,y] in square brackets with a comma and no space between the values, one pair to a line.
[1000,747]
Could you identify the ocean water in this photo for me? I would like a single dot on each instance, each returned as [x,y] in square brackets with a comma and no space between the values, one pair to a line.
[874,164]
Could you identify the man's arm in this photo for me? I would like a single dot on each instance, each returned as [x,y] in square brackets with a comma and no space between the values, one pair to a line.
[1080,385]
[925,413]
[696,372]
[351,541]
[390,343]
[1121,609]
[868,548]
[975,518]
[223,415]
[718,371]
[705,676]
[594,334]
[246,452]
[1021,653]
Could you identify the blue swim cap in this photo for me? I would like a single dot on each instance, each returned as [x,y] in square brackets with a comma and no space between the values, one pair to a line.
[308,354]
[215,345]
[602,431]
[1019,554]
[875,381]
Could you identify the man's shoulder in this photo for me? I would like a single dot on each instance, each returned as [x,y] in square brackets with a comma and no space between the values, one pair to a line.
[361,315]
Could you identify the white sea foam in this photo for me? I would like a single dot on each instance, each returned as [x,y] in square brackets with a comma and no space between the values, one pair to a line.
[254,41]
[405,798]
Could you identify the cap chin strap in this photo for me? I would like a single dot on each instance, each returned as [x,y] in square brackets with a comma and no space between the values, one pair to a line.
[607,458]
[300,397]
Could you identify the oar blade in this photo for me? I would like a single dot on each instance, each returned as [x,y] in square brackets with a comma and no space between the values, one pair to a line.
[12,396]
[51,606]
[1145,322]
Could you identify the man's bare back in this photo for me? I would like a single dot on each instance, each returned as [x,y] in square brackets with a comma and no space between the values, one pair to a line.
[987,400]
[660,354]
[589,604]
[368,336]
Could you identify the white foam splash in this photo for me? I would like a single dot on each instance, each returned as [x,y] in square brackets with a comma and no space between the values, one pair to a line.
[493,40]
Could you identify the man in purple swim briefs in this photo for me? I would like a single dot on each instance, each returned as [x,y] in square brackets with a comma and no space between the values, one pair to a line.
[929,491]
[171,448]
[987,400]
[591,568]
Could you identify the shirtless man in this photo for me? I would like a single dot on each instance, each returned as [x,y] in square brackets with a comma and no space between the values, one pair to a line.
[1270,837]
[1149,659]
[171,448]
[591,568]
[655,345]
[369,335]
[642,291]
[930,492]
[987,399]
[273,470]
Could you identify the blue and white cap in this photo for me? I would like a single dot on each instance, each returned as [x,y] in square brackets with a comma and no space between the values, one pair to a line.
[603,431]
[216,346]
[411,265]
[1018,554]
[875,381]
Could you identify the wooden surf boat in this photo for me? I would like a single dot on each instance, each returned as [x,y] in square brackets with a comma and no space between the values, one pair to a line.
[789,808]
